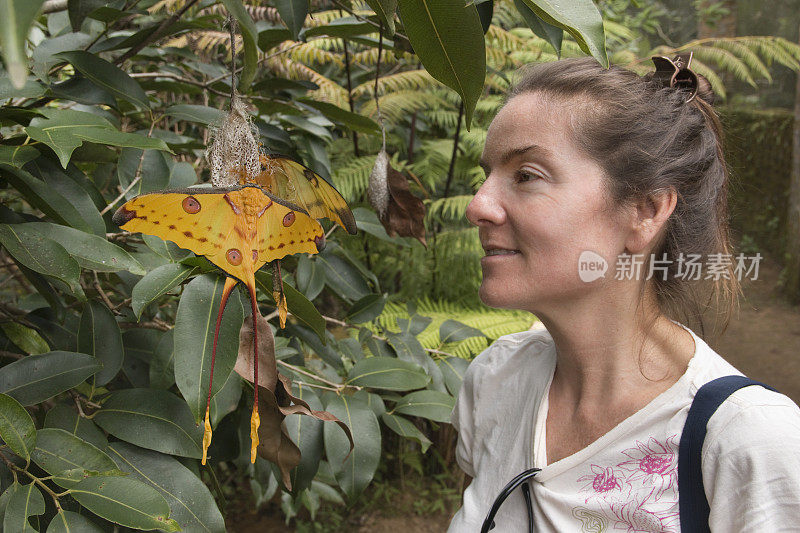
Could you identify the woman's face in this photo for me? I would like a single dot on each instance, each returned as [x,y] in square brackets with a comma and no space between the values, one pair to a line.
[541,206]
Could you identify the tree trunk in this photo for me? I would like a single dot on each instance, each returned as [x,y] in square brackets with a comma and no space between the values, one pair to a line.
[793,218]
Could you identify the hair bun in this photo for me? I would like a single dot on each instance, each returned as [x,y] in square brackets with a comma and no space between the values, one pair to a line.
[704,90]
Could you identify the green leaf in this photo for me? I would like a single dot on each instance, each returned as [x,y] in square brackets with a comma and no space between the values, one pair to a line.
[453,369]
[16,427]
[310,277]
[388,373]
[72,522]
[25,500]
[99,335]
[247,29]
[431,404]
[354,474]
[293,14]
[90,251]
[156,283]
[195,113]
[108,76]
[552,34]
[78,10]
[48,199]
[299,306]
[153,419]
[580,18]
[324,351]
[226,400]
[367,308]
[76,189]
[154,172]
[40,254]
[270,38]
[125,501]
[351,120]
[167,249]
[448,38]
[162,372]
[17,156]
[190,502]
[405,428]
[37,378]
[367,221]
[16,18]
[58,451]
[385,10]
[343,277]
[194,340]
[454,331]
[65,417]
[64,130]
[28,340]
[306,433]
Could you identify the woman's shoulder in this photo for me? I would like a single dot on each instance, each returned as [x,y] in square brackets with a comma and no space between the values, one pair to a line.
[529,344]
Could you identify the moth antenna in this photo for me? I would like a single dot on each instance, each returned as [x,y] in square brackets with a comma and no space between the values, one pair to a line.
[230,283]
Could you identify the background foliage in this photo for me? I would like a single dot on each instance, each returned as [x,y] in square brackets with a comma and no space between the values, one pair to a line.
[102,332]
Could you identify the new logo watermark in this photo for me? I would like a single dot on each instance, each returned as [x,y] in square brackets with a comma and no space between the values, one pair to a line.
[593,266]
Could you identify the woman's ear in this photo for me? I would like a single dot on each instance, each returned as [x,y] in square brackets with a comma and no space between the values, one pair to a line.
[649,215]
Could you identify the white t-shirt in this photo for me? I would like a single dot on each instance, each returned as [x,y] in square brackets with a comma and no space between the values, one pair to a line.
[626,480]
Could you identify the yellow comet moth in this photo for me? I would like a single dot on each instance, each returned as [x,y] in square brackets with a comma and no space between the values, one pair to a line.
[239,229]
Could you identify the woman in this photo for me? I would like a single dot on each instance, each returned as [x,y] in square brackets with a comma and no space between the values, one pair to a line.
[599,166]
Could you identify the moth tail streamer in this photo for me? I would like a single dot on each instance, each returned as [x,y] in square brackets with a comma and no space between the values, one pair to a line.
[277,292]
[255,419]
[230,283]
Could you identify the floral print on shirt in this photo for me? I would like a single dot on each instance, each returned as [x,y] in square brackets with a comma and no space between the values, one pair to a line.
[637,495]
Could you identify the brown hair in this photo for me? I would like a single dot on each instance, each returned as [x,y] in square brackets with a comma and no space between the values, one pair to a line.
[647,139]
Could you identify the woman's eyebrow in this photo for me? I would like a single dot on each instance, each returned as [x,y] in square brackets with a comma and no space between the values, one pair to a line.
[509,155]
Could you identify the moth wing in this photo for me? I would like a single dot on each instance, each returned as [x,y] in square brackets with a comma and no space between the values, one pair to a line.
[284,230]
[174,216]
[298,184]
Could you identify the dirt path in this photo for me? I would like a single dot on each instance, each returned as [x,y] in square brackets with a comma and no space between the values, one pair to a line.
[763,341]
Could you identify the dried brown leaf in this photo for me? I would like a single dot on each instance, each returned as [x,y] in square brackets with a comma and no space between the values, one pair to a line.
[267,366]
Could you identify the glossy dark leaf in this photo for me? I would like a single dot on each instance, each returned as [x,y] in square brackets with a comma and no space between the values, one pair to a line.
[36,378]
[194,339]
[385,10]
[153,419]
[581,19]
[125,501]
[100,336]
[552,34]
[195,113]
[190,502]
[388,373]
[293,13]
[156,283]
[366,309]
[39,253]
[430,404]
[24,501]
[448,38]
[355,473]
[108,76]
[299,306]
[18,16]
[65,417]
[58,451]
[453,369]
[342,277]
[72,522]
[405,428]
[306,433]
[16,427]
[454,331]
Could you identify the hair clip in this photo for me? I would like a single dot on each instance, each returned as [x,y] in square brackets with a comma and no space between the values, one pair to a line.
[676,73]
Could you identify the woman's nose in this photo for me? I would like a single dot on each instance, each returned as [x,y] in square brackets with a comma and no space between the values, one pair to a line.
[486,206]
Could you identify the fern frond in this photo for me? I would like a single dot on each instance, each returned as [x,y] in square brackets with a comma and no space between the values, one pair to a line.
[493,323]
[329,90]
[309,53]
[352,178]
[399,105]
[725,60]
[258,13]
[369,57]
[713,78]
[452,208]
[205,42]
[747,55]
[401,81]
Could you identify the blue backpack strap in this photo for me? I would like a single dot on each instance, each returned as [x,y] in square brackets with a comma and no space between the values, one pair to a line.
[692,500]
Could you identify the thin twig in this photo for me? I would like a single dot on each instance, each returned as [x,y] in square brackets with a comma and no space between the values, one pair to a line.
[339,386]
[133,182]
[102,293]
[155,34]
